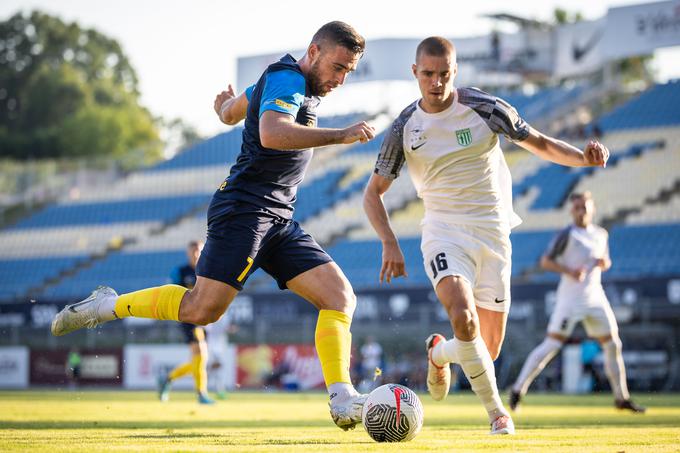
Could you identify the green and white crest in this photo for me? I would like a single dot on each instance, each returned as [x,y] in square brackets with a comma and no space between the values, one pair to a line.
[464,137]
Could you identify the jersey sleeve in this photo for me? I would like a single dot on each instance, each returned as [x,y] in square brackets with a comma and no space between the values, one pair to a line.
[249,92]
[558,245]
[501,117]
[505,120]
[175,277]
[284,92]
[391,157]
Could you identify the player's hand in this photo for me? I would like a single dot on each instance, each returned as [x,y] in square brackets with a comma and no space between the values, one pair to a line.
[601,263]
[360,132]
[596,154]
[578,274]
[223,97]
[393,265]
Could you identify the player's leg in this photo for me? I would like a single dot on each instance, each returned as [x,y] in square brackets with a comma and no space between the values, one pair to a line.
[601,324]
[224,265]
[327,288]
[199,366]
[561,325]
[298,263]
[492,329]
[468,349]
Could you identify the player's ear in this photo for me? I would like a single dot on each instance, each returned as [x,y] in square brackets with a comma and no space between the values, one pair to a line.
[313,51]
[455,70]
[414,68]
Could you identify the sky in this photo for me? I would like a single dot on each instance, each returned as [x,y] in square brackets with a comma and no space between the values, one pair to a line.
[185,52]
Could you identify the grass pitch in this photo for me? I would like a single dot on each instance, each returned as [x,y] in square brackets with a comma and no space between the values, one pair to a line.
[265,422]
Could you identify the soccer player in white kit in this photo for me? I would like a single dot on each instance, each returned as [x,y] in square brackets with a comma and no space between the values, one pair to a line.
[580,253]
[449,138]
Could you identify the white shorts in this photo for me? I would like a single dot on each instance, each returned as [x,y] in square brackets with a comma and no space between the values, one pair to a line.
[480,255]
[598,319]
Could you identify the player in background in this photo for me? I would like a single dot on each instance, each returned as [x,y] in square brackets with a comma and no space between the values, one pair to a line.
[217,335]
[579,253]
[194,335]
[449,139]
[250,218]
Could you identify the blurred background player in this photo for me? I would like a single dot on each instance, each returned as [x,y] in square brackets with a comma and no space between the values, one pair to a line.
[449,138]
[217,338]
[371,364]
[194,335]
[579,253]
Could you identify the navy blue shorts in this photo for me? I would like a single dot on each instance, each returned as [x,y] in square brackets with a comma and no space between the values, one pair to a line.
[192,333]
[240,242]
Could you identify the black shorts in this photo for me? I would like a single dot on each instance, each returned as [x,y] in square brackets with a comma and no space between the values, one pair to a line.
[239,242]
[193,333]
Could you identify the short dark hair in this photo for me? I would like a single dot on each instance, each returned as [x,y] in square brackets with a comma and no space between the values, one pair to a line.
[586,195]
[342,34]
[193,244]
[436,46]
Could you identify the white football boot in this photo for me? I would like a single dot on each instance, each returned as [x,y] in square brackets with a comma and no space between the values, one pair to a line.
[438,377]
[82,314]
[503,425]
[347,413]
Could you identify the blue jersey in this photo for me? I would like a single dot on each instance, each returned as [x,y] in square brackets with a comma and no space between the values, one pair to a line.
[265,180]
[184,276]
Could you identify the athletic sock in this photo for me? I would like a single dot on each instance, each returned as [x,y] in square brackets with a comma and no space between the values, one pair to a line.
[333,346]
[615,369]
[200,372]
[161,302]
[535,363]
[181,370]
[473,357]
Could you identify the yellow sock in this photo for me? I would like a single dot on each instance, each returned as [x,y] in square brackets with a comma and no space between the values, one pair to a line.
[200,373]
[161,302]
[334,345]
[181,370]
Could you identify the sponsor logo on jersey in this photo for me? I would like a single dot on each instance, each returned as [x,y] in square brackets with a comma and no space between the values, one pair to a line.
[285,105]
[464,136]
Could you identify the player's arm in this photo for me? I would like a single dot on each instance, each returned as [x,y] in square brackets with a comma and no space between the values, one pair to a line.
[231,109]
[605,262]
[279,130]
[392,258]
[551,265]
[548,148]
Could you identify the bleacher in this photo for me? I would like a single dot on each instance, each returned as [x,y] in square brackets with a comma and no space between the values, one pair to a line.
[137,228]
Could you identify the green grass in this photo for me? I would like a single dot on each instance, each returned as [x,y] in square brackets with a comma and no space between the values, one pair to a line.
[262,422]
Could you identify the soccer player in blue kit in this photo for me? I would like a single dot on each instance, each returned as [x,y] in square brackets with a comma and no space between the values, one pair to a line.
[250,222]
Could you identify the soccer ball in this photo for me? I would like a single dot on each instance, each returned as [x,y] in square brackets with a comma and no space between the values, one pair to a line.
[392,413]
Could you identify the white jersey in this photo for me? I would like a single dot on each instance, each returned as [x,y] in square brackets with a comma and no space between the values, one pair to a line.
[455,160]
[576,248]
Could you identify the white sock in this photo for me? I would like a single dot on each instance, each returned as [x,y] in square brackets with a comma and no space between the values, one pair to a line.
[474,359]
[534,364]
[615,369]
[342,390]
[106,310]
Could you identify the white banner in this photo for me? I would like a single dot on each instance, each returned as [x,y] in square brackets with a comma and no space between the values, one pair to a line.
[640,29]
[144,364]
[14,367]
[578,48]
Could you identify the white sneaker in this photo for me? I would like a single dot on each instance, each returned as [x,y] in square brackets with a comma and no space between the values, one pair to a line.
[503,425]
[347,413]
[438,377]
[83,313]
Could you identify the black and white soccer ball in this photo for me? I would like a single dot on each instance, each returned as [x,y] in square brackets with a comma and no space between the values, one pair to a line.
[392,413]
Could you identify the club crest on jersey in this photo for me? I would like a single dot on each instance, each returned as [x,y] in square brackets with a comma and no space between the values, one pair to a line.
[464,136]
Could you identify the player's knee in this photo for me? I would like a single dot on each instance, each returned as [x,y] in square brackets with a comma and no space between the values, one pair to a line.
[203,313]
[465,323]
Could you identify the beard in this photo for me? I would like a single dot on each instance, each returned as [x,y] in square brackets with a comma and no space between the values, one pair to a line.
[316,86]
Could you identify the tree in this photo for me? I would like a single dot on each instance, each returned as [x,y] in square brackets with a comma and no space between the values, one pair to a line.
[68,91]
